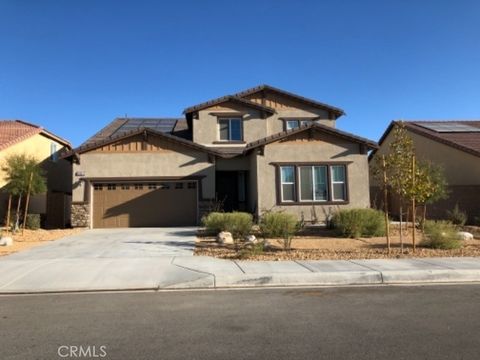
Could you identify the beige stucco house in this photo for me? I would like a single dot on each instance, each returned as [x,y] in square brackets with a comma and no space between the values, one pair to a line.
[453,145]
[260,149]
[20,137]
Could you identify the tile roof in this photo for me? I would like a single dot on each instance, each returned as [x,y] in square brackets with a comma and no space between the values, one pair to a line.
[90,145]
[15,131]
[226,98]
[240,97]
[315,126]
[312,102]
[468,141]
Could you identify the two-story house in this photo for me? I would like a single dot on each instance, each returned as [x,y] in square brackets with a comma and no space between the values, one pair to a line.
[20,137]
[260,149]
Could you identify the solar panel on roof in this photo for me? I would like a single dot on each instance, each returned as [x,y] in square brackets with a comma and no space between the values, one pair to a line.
[449,127]
[162,125]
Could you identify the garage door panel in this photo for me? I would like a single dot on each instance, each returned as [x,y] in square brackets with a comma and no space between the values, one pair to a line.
[145,205]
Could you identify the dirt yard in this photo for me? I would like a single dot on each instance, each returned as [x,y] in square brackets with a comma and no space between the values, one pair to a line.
[335,248]
[32,238]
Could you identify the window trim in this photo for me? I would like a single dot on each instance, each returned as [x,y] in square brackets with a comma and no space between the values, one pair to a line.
[344,182]
[329,201]
[294,183]
[312,167]
[300,121]
[229,119]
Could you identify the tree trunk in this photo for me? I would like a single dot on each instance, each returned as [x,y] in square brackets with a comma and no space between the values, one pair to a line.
[385,202]
[413,202]
[9,209]
[17,215]
[27,202]
[424,217]
[401,228]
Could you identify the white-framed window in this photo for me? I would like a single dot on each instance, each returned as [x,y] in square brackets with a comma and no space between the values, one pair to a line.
[230,129]
[53,152]
[338,183]
[294,123]
[291,124]
[287,183]
[313,183]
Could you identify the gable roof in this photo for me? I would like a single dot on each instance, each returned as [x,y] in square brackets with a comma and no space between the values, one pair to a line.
[91,145]
[240,97]
[121,125]
[225,99]
[316,127]
[467,141]
[339,112]
[15,131]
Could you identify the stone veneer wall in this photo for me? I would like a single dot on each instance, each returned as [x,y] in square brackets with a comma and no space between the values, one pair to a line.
[80,215]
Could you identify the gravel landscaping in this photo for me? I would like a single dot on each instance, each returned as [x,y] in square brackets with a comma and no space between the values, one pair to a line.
[31,238]
[330,247]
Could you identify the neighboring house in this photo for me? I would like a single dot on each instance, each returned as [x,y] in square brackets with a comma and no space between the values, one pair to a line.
[20,137]
[260,149]
[454,145]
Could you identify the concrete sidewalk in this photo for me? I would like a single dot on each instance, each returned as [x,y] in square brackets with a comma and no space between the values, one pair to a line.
[188,272]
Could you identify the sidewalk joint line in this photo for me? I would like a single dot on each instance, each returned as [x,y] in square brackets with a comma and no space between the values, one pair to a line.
[369,268]
[429,263]
[235,262]
[26,273]
[197,271]
[304,266]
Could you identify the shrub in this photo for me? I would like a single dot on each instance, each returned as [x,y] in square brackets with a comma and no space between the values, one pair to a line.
[457,216]
[279,225]
[252,250]
[33,221]
[441,235]
[238,223]
[356,223]
[214,222]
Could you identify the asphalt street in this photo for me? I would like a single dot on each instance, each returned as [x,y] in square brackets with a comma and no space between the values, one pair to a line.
[388,322]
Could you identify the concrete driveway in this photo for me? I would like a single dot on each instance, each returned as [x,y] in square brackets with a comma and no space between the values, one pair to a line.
[106,259]
[116,244]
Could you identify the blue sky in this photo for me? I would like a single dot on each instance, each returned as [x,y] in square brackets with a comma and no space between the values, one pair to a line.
[73,66]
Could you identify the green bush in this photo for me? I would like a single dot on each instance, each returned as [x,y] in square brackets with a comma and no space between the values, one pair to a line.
[279,225]
[238,223]
[356,223]
[214,222]
[457,216]
[441,235]
[252,250]
[33,221]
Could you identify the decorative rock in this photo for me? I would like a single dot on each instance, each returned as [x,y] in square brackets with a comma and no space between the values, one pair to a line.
[465,235]
[6,241]
[251,239]
[225,237]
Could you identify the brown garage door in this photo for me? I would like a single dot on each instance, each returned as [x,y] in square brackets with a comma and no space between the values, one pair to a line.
[152,204]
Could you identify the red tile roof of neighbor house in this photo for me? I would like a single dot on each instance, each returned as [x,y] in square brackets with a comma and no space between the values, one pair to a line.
[465,138]
[15,131]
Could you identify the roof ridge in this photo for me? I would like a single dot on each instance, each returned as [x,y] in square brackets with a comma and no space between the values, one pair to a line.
[283,134]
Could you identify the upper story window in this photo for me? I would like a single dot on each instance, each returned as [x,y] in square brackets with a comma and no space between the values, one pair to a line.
[230,129]
[53,152]
[293,123]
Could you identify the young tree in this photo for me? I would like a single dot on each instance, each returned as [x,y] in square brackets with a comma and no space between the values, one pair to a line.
[24,177]
[399,168]
[430,186]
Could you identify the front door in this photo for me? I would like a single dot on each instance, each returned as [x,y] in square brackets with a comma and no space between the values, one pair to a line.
[231,190]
